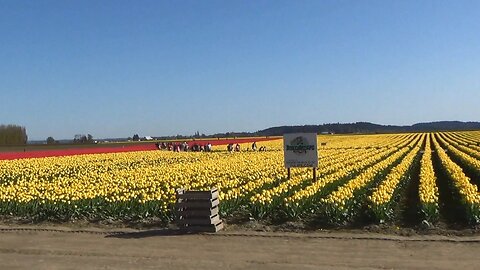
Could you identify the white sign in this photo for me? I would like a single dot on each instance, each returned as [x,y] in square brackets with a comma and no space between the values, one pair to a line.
[300,150]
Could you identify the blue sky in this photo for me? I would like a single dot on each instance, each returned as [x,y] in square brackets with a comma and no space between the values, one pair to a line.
[117,68]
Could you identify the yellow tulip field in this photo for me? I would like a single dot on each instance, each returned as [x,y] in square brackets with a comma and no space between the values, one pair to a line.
[360,177]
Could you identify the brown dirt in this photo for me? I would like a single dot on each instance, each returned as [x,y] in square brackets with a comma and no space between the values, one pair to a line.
[86,247]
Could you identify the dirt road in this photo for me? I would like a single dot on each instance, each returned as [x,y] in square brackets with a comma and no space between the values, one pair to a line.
[62,248]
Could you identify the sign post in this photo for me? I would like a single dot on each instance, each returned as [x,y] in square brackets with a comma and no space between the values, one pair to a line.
[300,150]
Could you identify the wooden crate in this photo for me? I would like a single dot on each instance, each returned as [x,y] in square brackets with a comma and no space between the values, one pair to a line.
[204,228]
[197,203]
[197,211]
[201,195]
[207,220]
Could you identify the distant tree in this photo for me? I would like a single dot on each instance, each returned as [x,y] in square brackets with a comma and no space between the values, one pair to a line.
[78,138]
[136,137]
[82,138]
[50,140]
[13,135]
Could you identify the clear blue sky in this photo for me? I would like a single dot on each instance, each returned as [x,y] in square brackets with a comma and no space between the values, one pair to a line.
[116,68]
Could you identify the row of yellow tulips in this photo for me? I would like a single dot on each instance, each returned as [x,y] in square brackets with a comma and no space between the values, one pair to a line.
[340,203]
[384,192]
[428,189]
[464,156]
[468,192]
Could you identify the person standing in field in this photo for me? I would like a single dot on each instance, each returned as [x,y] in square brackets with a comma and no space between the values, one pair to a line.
[254,146]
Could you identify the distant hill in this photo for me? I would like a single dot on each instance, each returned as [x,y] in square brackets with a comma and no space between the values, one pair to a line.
[366,127]
[445,125]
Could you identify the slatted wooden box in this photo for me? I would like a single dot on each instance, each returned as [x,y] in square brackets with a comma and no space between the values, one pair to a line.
[197,211]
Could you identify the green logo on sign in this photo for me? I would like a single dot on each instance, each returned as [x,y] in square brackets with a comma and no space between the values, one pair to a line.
[300,145]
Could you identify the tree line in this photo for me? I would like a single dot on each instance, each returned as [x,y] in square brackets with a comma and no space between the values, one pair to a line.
[13,135]
[366,127]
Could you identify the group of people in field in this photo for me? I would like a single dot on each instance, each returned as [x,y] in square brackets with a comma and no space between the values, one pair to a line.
[196,147]
[231,148]
[184,147]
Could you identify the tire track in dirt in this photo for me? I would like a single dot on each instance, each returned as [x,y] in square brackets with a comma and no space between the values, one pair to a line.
[138,234]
